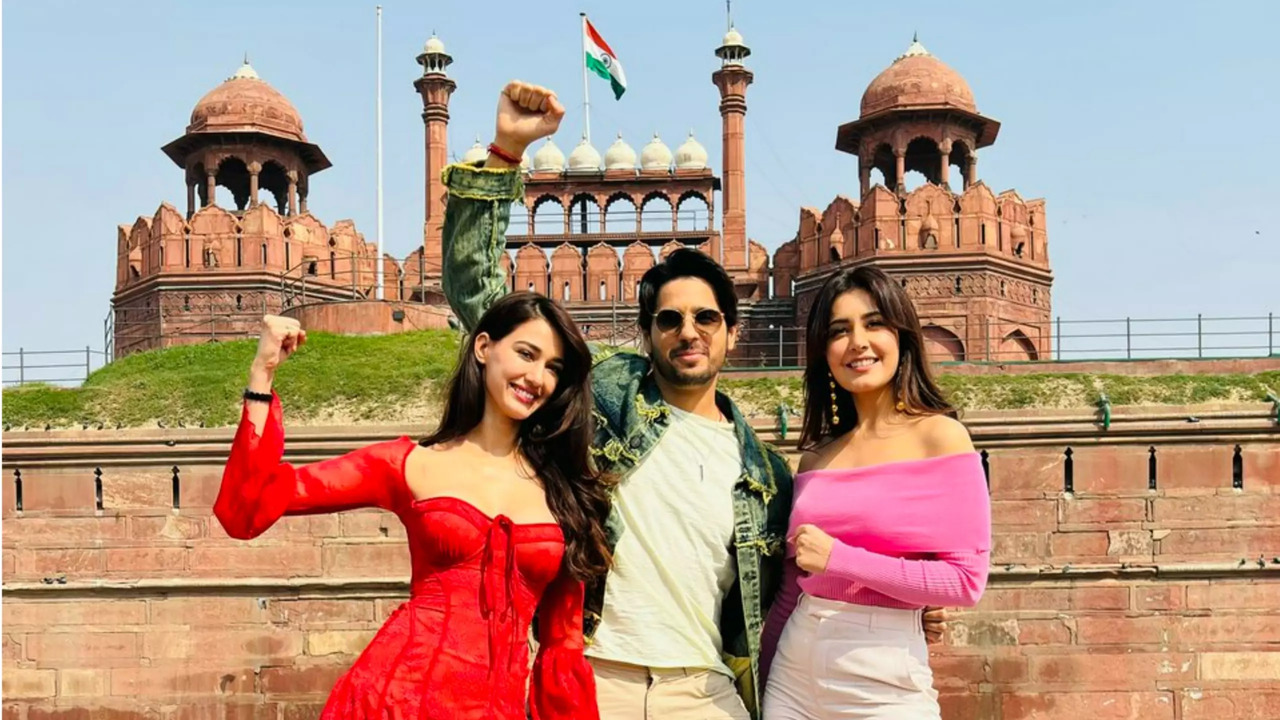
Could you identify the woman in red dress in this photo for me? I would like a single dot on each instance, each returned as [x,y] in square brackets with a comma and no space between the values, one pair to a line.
[503,512]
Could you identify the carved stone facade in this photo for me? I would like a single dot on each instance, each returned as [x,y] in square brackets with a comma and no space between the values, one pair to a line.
[211,273]
[603,228]
[975,263]
[590,225]
[581,210]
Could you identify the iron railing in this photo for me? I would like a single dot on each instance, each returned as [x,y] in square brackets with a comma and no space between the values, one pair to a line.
[1062,340]
[53,367]
[771,347]
[337,277]
[551,219]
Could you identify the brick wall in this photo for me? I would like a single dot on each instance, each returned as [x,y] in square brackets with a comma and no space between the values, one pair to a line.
[1113,600]
[372,317]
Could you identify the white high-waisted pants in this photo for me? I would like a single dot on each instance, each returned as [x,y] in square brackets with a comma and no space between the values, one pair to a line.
[839,660]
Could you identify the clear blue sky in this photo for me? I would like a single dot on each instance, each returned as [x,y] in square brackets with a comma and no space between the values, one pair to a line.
[1150,127]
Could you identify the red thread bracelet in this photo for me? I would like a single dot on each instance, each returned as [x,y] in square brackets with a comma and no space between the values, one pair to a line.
[503,154]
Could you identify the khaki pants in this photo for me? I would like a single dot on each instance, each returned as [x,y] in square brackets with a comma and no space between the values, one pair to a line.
[631,692]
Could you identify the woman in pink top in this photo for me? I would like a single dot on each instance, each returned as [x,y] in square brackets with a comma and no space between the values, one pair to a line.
[891,515]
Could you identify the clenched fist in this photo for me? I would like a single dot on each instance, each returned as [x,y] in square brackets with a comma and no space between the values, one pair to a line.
[279,338]
[526,113]
[812,548]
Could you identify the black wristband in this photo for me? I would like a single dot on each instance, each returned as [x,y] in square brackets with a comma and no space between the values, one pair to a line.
[252,396]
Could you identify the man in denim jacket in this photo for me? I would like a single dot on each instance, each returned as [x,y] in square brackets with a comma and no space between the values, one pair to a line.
[699,518]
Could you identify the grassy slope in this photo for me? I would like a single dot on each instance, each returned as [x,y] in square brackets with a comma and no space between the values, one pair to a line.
[394,378]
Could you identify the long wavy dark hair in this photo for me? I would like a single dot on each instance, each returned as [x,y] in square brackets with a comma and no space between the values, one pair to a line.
[556,439]
[913,382]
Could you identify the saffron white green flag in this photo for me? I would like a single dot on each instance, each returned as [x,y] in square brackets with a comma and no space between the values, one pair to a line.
[601,60]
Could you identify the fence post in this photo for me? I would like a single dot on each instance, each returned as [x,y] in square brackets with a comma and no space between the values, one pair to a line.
[1128,339]
[22,373]
[1057,345]
[1270,326]
[86,362]
[781,362]
[986,331]
[1199,335]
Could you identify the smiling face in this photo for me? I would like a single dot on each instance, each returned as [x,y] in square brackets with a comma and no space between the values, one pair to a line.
[862,350]
[688,338]
[522,369]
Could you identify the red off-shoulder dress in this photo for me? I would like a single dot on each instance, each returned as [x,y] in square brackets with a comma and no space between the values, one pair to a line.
[458,648]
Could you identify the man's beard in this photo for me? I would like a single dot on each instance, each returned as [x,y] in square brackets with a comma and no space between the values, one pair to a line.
[678,377]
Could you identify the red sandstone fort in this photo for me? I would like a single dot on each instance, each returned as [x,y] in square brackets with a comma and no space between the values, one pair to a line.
[1135,562]
[975,262]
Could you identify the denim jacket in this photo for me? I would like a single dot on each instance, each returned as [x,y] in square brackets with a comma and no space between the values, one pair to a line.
[630,418]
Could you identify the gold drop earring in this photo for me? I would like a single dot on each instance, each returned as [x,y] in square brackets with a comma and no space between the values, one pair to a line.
[835,410]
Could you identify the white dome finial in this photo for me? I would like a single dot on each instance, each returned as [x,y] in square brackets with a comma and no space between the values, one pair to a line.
[434,44]
[584,158]
[620,156]
[915,49]
[548,158]
[691,155]
[246,71]
[476,153]
[656,155]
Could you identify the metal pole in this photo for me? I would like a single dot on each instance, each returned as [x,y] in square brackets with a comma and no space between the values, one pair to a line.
[986,321]
[781,362]
[1128,340]
[378,267]
[1270,326]
[1058,344]
[86,362]
[1199,335]
[22,370]
[586,95]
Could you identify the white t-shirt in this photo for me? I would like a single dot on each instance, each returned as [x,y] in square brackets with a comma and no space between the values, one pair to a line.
[674,563]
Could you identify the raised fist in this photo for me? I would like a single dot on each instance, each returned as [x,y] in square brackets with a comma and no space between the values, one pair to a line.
[279,338]
[526,113]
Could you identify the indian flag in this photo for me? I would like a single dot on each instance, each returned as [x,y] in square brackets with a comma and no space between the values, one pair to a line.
[601,60]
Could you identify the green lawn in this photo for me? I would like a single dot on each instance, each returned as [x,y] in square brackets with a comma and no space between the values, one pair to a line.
[395,378]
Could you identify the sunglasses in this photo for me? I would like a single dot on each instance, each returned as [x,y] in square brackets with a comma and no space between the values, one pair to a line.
[705,321]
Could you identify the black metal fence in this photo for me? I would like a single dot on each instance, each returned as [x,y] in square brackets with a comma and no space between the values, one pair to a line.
[775,347]
[53,367]
[1061,341]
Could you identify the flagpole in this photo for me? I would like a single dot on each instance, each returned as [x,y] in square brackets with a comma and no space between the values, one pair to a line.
[378,262]
[586,95]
